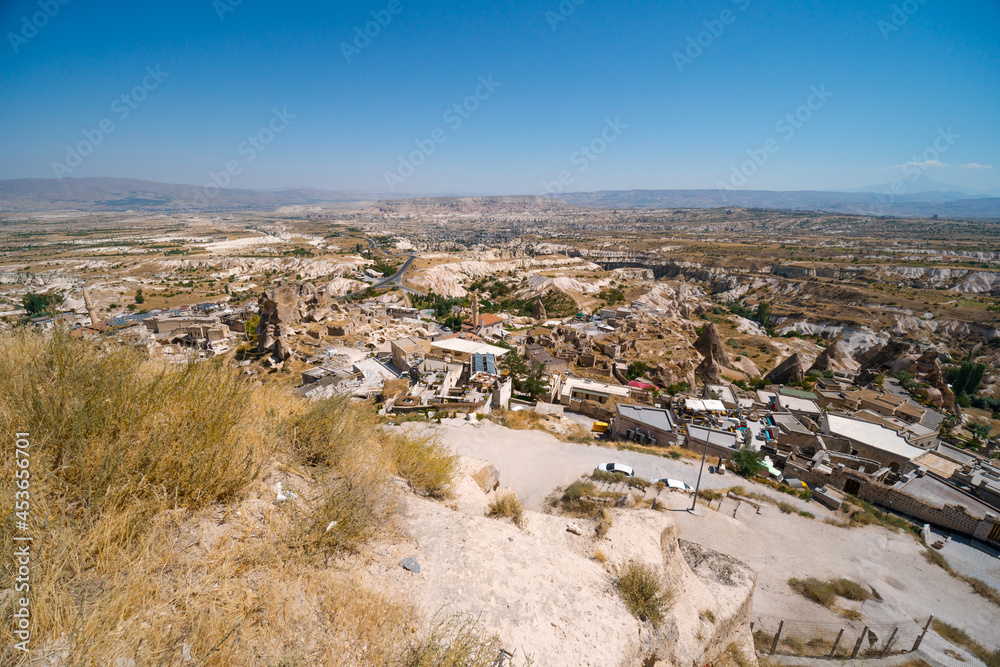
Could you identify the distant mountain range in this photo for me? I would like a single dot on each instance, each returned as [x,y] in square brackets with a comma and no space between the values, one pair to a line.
[881,202]
[120,194]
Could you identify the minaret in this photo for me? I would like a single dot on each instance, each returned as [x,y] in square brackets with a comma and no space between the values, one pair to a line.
[94,318]
[475,310]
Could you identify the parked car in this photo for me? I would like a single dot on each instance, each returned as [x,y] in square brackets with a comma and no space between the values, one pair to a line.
[674,484]
[617,467]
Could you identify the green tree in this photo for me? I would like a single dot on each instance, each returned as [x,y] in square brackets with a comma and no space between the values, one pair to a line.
[139,297]
[251,327]
[36,304]
[979,431]
[636,369]
[529,379]
[763,313]
[748,461]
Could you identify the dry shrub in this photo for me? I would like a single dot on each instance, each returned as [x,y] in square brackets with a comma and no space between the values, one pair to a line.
[604,522]
[851,590]
[520,419]
[816,590]
[328,431]
[979,587]
[428,466]
[737,656]
[112,430]
[577,490]
[351,510]
[643,590]
[600,556]
[135,554]
[787,508]
[458,640]
[507,506]
[711,494]
[960,637]
[609,477]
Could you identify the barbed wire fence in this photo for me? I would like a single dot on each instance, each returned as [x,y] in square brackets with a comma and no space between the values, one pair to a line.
[774,635]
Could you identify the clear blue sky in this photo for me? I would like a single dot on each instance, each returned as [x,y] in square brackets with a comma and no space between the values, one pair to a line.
[893,85]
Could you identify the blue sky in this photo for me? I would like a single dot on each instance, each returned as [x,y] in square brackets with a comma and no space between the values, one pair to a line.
[628,82]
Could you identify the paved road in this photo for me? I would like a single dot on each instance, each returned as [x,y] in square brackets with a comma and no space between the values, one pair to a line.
[534,463]
[395,279]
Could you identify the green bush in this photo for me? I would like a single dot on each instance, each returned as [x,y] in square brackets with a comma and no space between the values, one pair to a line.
[643,590]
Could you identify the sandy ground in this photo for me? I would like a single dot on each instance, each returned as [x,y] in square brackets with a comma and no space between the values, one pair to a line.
[534,463]
[778,546]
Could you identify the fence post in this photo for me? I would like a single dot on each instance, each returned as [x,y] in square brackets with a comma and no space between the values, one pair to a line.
[836,641]
[888,643]
[923,632]
[857,645]
[777,636]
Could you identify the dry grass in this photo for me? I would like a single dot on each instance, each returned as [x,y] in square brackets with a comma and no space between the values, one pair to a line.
[643,589]
[458,640]
[600,556]
[329,431]
[826,592]
[428,466]
[979,586]
[507,506]
[711,494]
[604,522]
[520,419]
[155,535]
[960,637]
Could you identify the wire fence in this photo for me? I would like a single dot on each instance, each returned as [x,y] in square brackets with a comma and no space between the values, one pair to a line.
[851,639]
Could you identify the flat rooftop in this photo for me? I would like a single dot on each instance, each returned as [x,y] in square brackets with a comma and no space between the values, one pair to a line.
[934,491]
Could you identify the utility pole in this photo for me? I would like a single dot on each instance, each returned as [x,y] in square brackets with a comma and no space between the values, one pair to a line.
[694,501]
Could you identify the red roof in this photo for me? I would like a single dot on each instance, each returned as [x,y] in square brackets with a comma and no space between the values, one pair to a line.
[489,319]
[641,385]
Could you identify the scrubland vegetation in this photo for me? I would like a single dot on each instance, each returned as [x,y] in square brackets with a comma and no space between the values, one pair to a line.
[643,590]
[156,534]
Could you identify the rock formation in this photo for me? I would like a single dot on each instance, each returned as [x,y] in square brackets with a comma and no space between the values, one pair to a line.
[285,306]
[710,344]
[832,359]
[538,312]
[789,371]
[876,358]
[709,371]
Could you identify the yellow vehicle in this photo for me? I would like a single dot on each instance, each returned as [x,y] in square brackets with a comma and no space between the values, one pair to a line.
[600,427]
